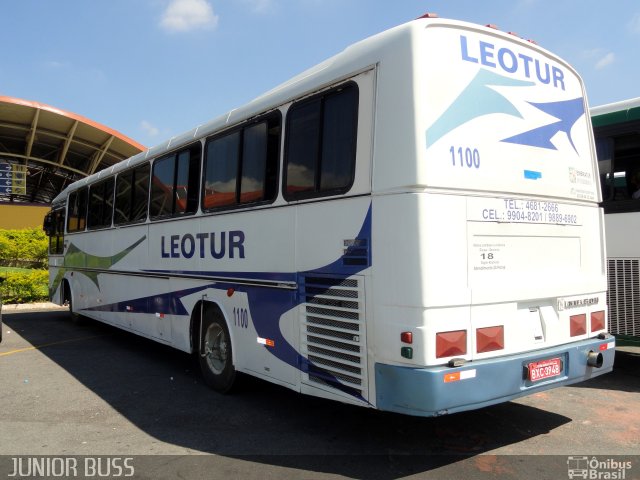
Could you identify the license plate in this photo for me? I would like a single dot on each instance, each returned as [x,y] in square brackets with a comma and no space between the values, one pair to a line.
[545,369]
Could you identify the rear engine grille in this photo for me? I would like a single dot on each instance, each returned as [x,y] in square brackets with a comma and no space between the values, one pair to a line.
[333,333]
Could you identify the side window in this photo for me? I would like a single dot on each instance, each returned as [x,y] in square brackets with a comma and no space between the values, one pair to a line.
[72,217]
[619,165]
[241,167]
[339,132]
[132,195]
[77,206]
[302,147]
[604,150]
[254,163]
[54,228]
[320,148]
[187,182]
[100,204]
[174,183]
[124,198]
[140,193]
[221,170]
[162,187]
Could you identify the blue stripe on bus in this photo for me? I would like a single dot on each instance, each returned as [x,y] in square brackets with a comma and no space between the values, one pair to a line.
[245,276]
[266,304]
[356,257]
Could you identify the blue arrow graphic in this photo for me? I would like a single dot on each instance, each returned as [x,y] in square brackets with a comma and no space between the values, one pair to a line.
[567,112]
[476,100]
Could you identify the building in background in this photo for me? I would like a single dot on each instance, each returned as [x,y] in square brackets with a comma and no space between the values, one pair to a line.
[42,150]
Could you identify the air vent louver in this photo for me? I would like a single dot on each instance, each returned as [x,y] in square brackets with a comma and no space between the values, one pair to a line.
[623,296]
[333,333]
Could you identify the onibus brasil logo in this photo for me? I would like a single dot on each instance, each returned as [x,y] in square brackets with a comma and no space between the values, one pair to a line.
[596,469]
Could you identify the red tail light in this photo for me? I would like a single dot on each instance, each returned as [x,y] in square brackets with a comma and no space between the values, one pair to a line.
[597,321]
[578,324]
[489,339]
[406,337]
[452,343]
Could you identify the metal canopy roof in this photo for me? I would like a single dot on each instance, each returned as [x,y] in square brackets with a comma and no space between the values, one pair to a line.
[57,147]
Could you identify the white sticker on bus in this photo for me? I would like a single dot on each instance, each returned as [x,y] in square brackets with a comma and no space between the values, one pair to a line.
[511,210]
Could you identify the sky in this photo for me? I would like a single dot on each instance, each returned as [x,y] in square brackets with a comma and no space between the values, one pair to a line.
[152,69]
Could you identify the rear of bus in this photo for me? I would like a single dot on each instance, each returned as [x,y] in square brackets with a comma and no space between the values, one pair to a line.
[489,273]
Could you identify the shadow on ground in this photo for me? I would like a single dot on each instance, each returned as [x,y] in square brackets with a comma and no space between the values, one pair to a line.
[160,391]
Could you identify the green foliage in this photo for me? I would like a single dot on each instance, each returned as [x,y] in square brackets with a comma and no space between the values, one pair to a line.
[25,287]
[22,248]
[4,270]
[27,246]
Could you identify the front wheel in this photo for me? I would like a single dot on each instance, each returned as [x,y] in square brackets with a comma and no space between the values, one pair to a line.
[68,299]
[215,356]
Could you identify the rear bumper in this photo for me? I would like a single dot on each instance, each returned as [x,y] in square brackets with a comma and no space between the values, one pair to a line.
[441,390]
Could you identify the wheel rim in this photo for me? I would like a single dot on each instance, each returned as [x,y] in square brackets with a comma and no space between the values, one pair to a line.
[215,348]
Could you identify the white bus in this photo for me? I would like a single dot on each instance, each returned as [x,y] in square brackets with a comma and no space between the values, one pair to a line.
[617,133]
[412,225]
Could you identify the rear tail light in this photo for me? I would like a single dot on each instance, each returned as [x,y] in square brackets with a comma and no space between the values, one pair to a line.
[597,321]
[489,339]
[406,337]
[451,343]
[406,352]
[578,324]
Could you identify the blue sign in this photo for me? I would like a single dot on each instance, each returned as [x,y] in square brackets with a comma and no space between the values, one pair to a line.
[5,175]
[13,179]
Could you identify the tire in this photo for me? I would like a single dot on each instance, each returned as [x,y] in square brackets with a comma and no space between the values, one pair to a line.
[215,353]
[68,296]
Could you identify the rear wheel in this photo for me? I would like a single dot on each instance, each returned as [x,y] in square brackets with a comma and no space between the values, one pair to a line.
[215,357]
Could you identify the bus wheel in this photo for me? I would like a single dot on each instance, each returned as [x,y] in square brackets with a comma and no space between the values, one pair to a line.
[68,299]
[216,360]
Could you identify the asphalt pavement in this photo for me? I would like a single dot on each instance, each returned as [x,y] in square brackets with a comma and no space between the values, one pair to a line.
[87,391]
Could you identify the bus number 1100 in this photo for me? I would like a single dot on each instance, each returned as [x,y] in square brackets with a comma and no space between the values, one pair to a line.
[241,317]
[465,157]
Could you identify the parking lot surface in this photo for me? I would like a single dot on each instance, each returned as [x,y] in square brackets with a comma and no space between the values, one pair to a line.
[92,390]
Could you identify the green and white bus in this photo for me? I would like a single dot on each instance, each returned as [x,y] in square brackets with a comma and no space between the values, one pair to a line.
[616,128]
